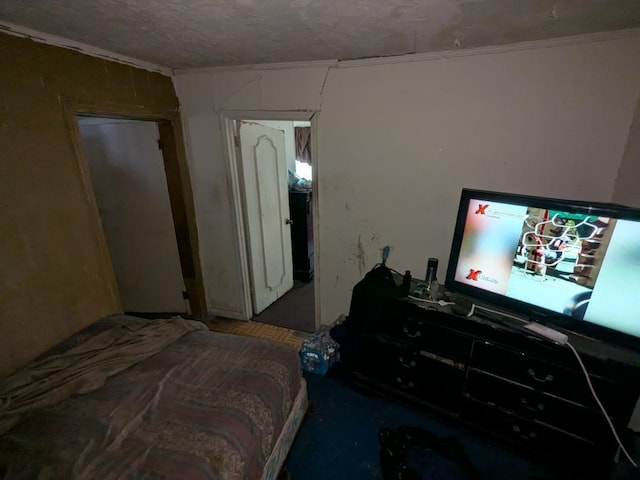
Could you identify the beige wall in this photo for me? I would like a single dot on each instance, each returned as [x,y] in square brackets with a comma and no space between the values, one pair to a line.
[397,142]
[56,276]
[211,179]
[627,191]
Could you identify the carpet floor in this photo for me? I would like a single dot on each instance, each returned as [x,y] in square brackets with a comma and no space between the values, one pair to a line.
[339,438]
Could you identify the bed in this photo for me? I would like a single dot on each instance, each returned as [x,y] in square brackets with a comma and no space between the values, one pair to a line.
[202,405]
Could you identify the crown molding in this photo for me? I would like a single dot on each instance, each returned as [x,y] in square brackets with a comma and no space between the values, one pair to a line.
[261,66]
[41,37]
[598,37]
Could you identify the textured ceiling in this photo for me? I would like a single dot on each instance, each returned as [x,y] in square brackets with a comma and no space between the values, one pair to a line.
[203,33]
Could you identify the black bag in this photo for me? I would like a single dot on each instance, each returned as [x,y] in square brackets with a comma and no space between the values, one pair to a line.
[369,296]
[409,453]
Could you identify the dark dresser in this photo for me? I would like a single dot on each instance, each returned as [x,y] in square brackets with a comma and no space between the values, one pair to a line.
[516,388]
[301,234]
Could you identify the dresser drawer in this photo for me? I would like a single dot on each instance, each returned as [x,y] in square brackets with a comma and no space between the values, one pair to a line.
[553,379]
[537,406]
[534,435]
[430,378]
[429,336]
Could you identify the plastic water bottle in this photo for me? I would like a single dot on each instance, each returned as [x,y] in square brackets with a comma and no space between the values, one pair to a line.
[433,290]
[310,360]
[318,353]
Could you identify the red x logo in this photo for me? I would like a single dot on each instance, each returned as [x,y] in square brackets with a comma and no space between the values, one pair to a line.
[473,274]
[481,209]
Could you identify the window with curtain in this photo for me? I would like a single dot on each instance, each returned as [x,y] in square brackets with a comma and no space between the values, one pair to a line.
[303,144]
[303,151]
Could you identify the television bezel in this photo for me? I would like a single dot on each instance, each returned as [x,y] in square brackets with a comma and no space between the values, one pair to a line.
[526,310]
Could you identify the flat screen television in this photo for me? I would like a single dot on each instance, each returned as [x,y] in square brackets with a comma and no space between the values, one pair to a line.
[571,264]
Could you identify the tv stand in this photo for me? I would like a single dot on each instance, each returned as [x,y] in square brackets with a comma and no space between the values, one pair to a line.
[509,384]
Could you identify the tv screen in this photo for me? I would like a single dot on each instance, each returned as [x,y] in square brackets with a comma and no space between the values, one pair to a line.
[573,263]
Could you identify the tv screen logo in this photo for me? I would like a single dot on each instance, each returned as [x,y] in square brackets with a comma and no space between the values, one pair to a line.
[473,274]
[476,275]
[482,209]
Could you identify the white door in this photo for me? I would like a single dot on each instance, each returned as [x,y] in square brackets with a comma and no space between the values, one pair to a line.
[130,185]
[264,171]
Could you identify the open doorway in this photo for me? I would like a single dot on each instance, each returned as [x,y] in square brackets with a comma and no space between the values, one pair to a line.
[127,168]
[275,177]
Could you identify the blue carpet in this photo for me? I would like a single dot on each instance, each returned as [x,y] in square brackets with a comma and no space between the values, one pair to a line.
[339,437]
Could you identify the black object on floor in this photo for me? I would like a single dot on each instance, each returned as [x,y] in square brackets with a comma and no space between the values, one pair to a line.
[410,453]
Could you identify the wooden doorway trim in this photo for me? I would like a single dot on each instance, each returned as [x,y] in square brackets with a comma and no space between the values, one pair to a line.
[178,183]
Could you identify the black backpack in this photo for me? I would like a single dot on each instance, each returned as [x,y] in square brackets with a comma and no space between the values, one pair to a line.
[369,296]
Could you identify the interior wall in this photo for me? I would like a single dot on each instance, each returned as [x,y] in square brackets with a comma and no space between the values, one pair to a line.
[397,142]
[211,177]
[626,189]
[56,275]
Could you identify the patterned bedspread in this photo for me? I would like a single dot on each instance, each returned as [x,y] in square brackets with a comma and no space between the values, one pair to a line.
[208,406]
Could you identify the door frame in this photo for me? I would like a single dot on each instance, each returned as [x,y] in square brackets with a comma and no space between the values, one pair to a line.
[227,125]
[178,184]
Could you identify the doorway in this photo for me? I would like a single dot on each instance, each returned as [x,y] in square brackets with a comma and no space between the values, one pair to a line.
[280,252]
[127,170]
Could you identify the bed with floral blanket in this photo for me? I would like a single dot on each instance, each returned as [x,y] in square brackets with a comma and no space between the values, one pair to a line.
[125,399]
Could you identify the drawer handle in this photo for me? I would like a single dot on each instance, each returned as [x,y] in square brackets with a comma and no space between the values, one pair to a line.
[531,372]
[409,385]
[537,408]
[529,436]
[411,335]
[411,364]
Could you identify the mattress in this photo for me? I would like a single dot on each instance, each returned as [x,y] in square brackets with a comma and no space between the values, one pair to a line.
[208,406]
